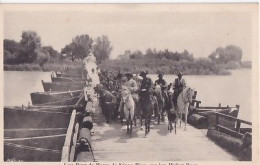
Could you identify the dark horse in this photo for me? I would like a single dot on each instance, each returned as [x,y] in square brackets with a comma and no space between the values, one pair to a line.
[147,105]
[107,103]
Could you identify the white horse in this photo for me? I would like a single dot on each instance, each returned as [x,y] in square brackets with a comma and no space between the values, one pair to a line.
[129,108]
[183,102]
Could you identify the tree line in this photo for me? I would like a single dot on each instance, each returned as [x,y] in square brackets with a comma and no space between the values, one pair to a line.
[169,62]
[30,50]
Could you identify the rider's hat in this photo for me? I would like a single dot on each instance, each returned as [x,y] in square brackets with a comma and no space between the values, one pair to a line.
[119,75]
[129,74]
[160,75]
[143,73]
[179,73]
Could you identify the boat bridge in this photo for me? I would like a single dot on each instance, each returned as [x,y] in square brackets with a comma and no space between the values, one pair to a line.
[111,143]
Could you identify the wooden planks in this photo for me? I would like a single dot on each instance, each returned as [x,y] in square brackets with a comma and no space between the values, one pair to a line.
[67,144]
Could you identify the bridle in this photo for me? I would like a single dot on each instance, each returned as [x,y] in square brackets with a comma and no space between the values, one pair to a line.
[124,100]
[186,94]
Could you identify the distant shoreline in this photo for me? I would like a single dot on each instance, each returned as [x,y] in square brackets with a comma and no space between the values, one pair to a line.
[60,67]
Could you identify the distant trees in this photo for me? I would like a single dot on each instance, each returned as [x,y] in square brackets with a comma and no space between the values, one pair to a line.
[28,50]
[24,51]
[166,54]
[30,44]
[102,48]
[79,48]
[230,53]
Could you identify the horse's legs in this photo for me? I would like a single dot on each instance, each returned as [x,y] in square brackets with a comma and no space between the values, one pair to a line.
[159,118]
[131,126]
[127,123]
[175,126]
[180,118]
[146,128]
[185,121]
[149,122]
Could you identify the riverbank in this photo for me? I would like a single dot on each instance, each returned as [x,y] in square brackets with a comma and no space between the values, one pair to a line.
[46,68]
[198,67]
[155,66]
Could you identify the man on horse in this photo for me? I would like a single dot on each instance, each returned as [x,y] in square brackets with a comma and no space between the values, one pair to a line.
[146,87]
[131,84]
[161,82]
[125,83]
[178,85]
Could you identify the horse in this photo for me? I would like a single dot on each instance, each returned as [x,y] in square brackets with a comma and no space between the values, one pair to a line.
[129,108]
[160,102]
[107,103]
[172,118]
[183,101]
[147,105]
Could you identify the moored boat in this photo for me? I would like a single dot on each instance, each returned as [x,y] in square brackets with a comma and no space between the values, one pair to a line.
[34,135]
[61,86]
[65,79]
[46,97]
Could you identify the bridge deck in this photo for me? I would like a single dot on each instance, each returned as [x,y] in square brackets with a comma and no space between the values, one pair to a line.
[111,143]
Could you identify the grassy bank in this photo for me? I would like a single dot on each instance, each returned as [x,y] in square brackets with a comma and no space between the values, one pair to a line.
[46,68]
[154,66]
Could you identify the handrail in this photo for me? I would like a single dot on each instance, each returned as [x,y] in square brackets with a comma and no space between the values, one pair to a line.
[233,118]
[236,131]
[69,137]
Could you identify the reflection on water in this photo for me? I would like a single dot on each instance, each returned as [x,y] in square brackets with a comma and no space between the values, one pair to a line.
[18,86]
[227,90]
[212,90]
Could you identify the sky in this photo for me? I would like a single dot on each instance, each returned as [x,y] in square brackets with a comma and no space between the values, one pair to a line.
[138,27]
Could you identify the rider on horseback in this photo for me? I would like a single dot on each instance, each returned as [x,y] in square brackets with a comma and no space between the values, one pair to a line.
[178,85]
[146,87]
[162,83]
[146,84]
[131,85]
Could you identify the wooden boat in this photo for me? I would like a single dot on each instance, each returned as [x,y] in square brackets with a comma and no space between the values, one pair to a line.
[237,140]
[46,97]
[67,75]
[205,117]
[65,79]
[51,86]
[34,135]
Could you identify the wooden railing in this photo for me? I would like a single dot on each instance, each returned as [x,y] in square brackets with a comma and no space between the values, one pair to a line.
[68,150]
[233,132]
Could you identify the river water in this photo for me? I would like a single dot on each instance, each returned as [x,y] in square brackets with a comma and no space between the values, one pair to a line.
[212,90]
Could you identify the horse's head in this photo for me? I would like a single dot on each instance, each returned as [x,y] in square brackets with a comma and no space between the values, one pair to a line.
[189,94]
[98,87]
[157,88]
[125,93]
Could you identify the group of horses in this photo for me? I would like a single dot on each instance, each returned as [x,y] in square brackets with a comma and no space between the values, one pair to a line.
[155,102]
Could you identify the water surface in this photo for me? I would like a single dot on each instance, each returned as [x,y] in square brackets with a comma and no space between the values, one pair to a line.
[212,90]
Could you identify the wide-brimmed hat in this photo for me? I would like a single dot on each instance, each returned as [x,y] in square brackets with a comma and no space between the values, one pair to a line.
[143,73]
[160,75]
[129,74]
[179,74]
[119,75]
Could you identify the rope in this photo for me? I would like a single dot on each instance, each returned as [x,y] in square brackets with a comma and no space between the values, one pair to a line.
[37,137]
[34,129]
[32,148]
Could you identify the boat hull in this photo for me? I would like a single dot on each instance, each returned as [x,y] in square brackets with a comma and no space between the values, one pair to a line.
[50,86]
[47,97]
[34,135]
